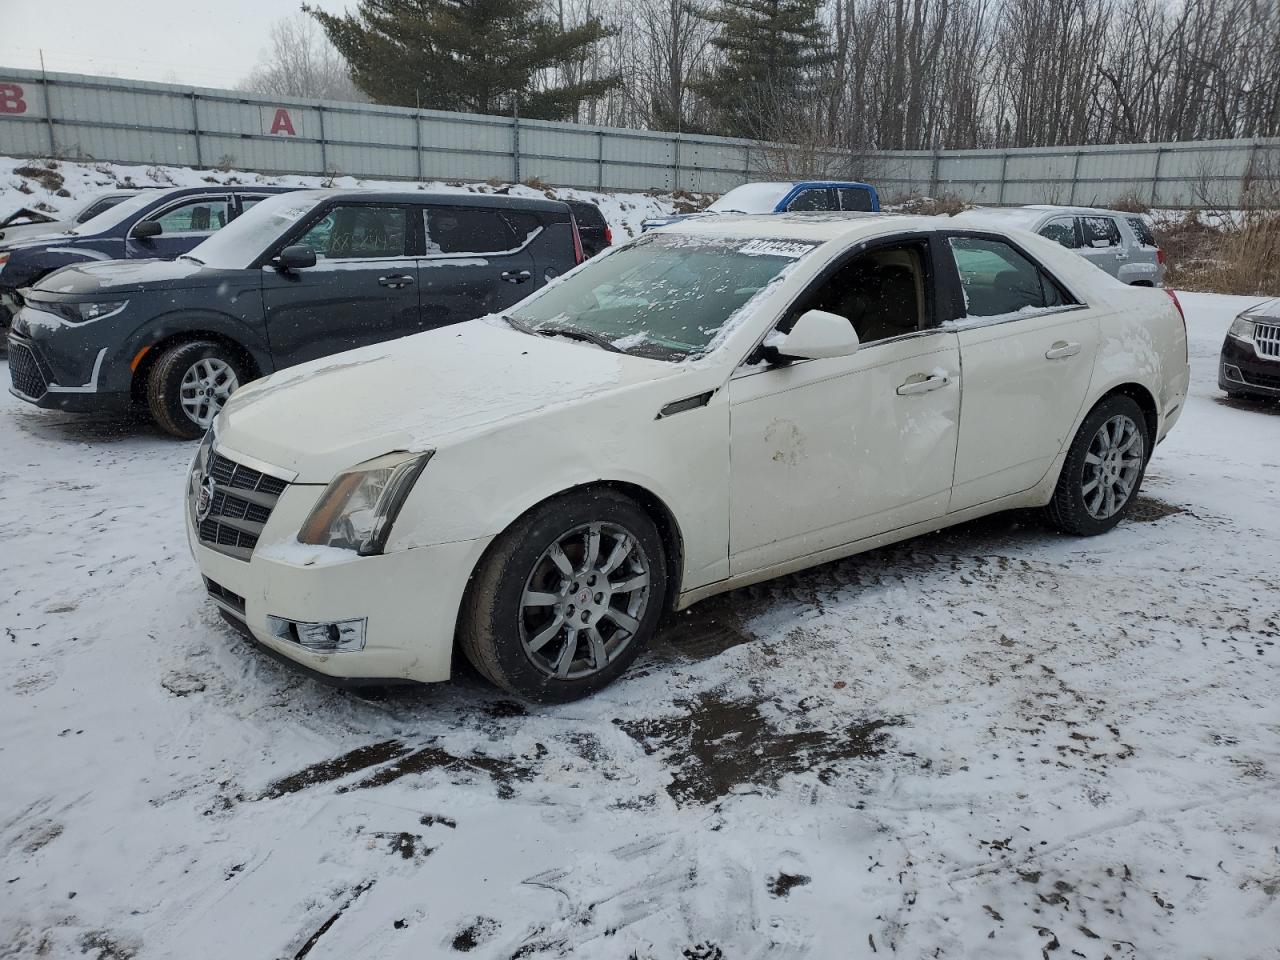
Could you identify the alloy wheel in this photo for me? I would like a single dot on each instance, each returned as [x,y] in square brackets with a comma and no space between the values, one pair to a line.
[584,600]
[1112,467]
[205,388]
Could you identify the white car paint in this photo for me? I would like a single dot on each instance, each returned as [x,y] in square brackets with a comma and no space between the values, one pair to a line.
[784,467]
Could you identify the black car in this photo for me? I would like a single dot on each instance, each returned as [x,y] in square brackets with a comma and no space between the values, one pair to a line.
[1250,361]
[594,228]
[301,276]
[146,225]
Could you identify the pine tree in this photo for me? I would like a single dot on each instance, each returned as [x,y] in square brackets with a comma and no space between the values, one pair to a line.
[770,50]
[474,56]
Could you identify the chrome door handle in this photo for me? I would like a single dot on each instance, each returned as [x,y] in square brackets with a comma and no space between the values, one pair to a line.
[924,385]
[395,280]
[514,276]
[1062,349]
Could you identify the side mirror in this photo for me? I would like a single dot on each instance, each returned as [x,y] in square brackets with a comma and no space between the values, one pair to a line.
[819,335]
[147,229]
[297,257]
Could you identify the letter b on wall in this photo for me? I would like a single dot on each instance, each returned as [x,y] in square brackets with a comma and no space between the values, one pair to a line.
[11,98]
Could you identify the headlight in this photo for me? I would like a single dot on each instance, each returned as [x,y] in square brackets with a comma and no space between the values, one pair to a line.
[84,312]
[357,509]
[1242,328]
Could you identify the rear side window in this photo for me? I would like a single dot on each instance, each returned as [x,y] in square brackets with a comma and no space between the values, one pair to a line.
[854,198]
[1100,232]
[459,230]
[358,232]
[95,208]
[813,199]
[1062,231]
[998,280]
[587,214]
[1142,230]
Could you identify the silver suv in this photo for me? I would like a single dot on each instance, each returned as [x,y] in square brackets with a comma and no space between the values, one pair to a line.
[1123,244]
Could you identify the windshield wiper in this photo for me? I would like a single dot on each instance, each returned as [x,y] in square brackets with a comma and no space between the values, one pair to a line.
[187,256]
[569,333]
[577,333]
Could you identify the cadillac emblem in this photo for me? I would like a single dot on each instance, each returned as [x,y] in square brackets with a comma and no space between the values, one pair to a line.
[204,500]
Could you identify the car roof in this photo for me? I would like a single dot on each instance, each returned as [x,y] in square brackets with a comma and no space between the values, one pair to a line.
[1035,212]
[500,201]
[819,226]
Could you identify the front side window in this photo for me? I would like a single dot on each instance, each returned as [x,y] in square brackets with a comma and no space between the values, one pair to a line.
[880,292]
[999,281]
[855,198]
[813,199]
[1100,232]
[460,231]
[1062,231]
[666,296]
[195,216]
[358,232]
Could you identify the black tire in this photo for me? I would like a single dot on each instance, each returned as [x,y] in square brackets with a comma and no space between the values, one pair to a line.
[1068,510]
[494,620]
[164,383]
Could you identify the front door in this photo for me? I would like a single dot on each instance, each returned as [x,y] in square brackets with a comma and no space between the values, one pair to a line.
[1027,348]
[828,452]
[362,290]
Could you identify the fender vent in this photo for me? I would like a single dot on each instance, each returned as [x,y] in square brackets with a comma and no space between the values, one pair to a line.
[688,403]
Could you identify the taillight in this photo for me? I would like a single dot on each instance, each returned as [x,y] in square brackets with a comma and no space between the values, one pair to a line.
[578,256]
[608,236]
[1174,297]
[1160,257]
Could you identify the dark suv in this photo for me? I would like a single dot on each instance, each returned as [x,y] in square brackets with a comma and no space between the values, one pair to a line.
[300,276]
[1249,365]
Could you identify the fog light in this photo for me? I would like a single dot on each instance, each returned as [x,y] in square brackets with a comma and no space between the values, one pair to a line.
[337,636]
[1233,372]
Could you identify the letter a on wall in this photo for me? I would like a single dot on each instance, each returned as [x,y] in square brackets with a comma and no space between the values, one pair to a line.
[276,122]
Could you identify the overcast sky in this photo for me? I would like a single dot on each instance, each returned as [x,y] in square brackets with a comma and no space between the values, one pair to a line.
[209,43]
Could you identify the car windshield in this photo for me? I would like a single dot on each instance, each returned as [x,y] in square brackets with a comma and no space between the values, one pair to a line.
[665,296]
[118,214]
[752,198]
[237,245]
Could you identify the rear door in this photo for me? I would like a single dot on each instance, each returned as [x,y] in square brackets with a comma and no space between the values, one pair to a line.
[1027,348]
[363,288]
[1102,243]
[477,262]
[855,198]
[184,224]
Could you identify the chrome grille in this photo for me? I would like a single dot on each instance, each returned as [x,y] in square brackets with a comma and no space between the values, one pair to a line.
[24,371]
[1266,337]
[239,508]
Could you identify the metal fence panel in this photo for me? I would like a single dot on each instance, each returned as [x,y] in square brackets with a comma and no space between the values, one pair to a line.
[105,118]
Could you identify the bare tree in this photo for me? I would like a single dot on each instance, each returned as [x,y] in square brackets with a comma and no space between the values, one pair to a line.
[300,62]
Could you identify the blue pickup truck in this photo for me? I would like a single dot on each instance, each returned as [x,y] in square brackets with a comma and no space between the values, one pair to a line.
[777,197]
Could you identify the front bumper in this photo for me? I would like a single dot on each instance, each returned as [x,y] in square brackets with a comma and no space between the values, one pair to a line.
[62,369]
[409,599]
[1241,370]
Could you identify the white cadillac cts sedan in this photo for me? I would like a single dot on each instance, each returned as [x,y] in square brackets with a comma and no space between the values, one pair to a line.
[710,405]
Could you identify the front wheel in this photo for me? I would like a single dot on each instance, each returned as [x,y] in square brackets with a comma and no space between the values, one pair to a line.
[567,598]
[1103,470]
[189,384]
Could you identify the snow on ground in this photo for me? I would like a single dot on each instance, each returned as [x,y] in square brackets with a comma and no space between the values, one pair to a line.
[81,181]
[994,741]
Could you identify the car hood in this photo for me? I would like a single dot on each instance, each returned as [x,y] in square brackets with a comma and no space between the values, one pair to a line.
[419,392]
[23,232]
[128,276]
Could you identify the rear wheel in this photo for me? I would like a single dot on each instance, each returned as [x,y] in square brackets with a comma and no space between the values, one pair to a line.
[567,598]
[1103,470]
[189,384]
